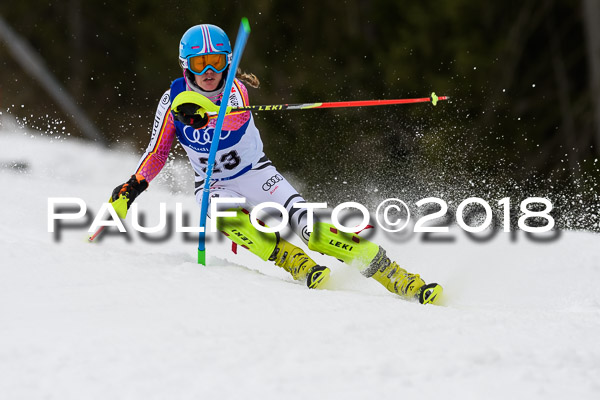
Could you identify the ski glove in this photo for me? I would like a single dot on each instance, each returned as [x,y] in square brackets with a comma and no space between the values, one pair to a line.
[191,114]
[130,189]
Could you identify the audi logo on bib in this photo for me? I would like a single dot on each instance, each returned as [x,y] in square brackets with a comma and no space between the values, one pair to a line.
[202,136]
[272,181]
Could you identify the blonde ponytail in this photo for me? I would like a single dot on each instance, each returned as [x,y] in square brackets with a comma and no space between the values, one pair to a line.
[248,78]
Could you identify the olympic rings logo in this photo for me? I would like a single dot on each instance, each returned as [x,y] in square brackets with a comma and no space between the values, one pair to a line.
[201,136]
[272,181]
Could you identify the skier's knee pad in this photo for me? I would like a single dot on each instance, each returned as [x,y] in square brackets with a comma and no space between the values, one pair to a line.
[347,247]
[241,231]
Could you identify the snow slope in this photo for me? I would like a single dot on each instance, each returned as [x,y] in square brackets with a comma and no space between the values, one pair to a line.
[137,320]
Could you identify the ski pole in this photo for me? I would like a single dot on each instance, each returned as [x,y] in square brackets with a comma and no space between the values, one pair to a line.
[120,207]
[208,106]
[433,99]
[92,237]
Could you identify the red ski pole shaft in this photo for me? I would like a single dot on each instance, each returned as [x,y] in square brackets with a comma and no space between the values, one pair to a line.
[340,104]
[91,238]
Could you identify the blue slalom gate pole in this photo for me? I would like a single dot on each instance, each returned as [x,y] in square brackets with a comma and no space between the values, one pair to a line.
[240,43]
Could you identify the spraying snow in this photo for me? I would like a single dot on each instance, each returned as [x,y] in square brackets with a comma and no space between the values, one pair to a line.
[139,320]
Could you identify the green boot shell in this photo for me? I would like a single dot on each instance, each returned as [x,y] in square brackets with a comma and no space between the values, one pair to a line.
[347,247]
[240,230]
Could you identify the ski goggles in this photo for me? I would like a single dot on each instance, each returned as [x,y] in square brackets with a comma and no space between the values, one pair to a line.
[202,63]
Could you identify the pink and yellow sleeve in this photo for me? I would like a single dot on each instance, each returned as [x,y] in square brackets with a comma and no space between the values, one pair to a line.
[157,153]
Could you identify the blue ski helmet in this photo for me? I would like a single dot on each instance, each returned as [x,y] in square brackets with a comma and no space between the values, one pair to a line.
[204,47]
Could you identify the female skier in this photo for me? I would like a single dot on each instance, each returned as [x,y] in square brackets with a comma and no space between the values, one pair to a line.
[241,170]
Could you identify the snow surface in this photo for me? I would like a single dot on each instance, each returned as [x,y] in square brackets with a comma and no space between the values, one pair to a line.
[125,319]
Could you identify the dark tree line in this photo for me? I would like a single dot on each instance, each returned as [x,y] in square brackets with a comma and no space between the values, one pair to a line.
[523,77]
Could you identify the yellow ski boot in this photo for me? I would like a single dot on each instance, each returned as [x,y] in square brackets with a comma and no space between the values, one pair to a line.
[299,265]
[270,246]
[372,261]
[398,280]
